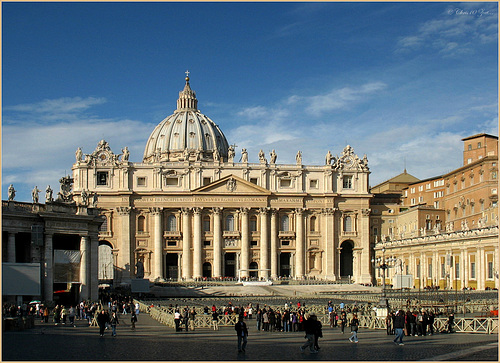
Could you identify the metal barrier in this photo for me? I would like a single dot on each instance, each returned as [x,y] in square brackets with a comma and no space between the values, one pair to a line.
[481,325]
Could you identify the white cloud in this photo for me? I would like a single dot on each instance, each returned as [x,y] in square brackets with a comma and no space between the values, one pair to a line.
[455,32]
[57,109]
[336,98]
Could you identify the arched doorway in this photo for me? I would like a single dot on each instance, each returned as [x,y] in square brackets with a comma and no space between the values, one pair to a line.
[254,265]
[207,270]
[346,259]
[106,268]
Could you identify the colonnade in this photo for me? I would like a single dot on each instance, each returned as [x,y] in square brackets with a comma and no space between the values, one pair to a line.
[192,257]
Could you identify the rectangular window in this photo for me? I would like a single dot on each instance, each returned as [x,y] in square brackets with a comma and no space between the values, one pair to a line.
[254,180]
[347,182]
[420,199]
[102,178]
[171,243]
[285,183]
[457,270]
[490,270]
[206,243]
[206,225]
[313,184]
[429,272]
[412,201]
[412,190]
[207,181]
[253,243]
[285,243]
[421,188]
[418,271]
[171,182]
[141,181]
[436,204]
[443,270]
[472,270]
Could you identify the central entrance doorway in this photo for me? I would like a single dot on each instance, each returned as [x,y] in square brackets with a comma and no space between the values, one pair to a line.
[285,268]
[171,266]
[230,264]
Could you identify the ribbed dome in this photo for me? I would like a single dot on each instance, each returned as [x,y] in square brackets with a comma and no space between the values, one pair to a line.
[186,133]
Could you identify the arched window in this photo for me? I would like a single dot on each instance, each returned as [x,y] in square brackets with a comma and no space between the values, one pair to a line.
[141,224]
[313,224]
[230,223]
[285,223]
[171,223]
[348,224]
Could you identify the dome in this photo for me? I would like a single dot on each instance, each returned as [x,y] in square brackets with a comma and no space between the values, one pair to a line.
[187,134]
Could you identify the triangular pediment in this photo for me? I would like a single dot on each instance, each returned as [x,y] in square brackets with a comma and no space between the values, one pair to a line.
[232,185]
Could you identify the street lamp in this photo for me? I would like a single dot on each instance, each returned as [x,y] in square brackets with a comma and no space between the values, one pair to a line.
[380,263]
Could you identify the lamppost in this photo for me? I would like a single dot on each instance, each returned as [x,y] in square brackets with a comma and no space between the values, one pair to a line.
[380,263]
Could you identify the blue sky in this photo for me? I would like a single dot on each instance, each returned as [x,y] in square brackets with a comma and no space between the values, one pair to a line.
[400,82]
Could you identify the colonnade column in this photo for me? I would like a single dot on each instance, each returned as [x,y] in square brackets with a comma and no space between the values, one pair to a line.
[158,243]
[465,269]
[124,261]
[48,266]
[94,267]
[197,263]
[216,213]
[186,244]
[264,244]
[11,247]
[245,243]
[329,242]
[299,240]
[84,271]
[274,243]
[480,269]
[364,231]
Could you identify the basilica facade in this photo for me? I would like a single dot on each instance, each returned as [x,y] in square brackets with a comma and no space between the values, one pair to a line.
[193,209]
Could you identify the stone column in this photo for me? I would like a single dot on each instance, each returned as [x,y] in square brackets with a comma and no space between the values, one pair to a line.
[217,268]
[327,230]
[124,256]
[94,267]
[158,243]
[264,244]
[465,263]
[364,232]
[186,244]
[274,243]
[48,267]
[299,241]
[481,269]
[197,263]
[245,243]
[11,247]
[84,268]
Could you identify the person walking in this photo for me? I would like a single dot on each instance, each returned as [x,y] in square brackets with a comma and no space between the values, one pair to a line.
[431,322]
[114,322]
[102,319]
[354,329]
[133,320]
[398,321]
[343,321]
[215,320]
[310,329]
[242,333]
[192,317]
[451,319]
[72,315]
[318,333]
